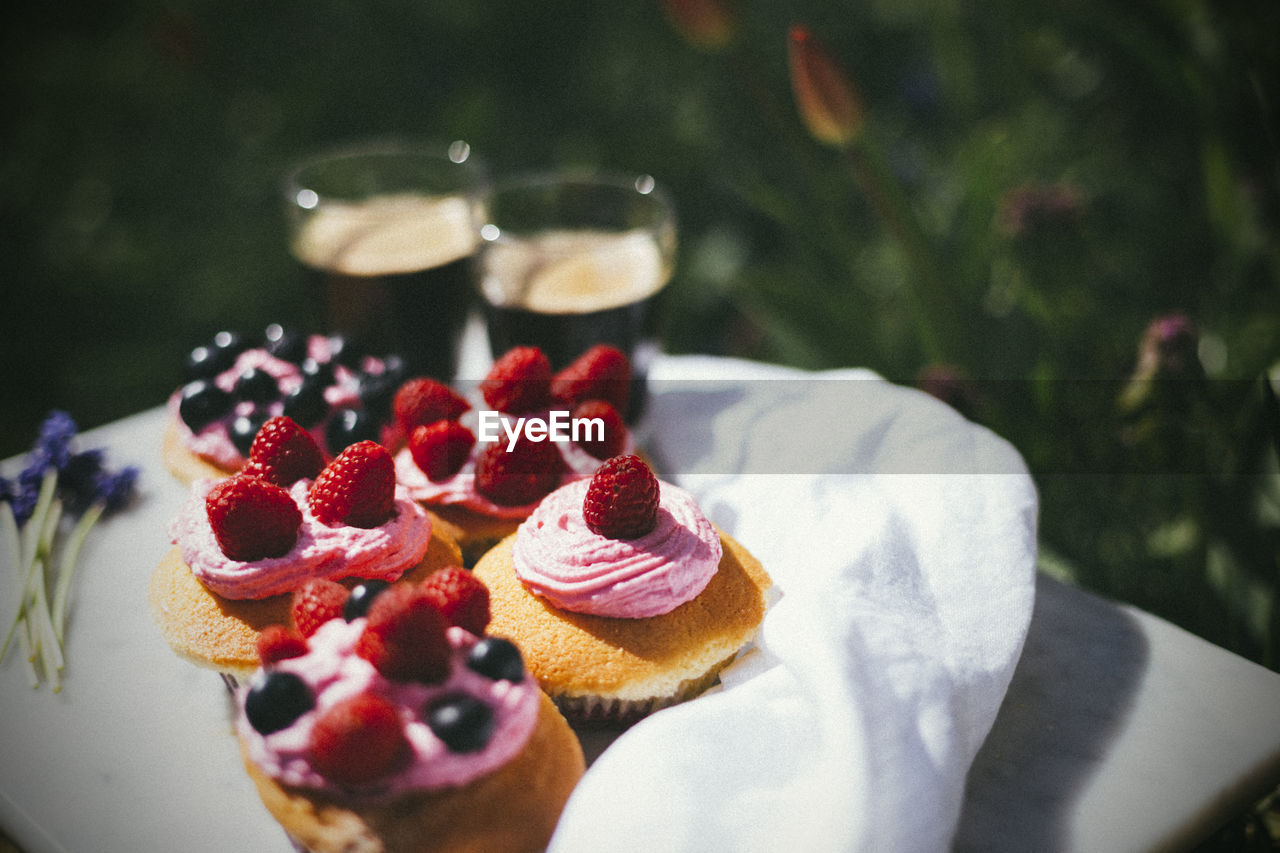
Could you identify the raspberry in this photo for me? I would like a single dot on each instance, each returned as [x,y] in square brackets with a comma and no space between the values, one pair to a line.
[440,449]
[615,431]
[600,373]
[316,602]
[404,636]
[622,499]
[358,740]
[252,519]
[518,476]
[278,642]
[424,400]
[461,597]
[519,382]
[356,488]
[283,453]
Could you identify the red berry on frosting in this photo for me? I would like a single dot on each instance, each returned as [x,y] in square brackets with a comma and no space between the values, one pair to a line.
[316,602]
[278,642]
[519,382]
[423,400]
[622,499]
[283,453]
[358,740]
[252,519]
[404,636]
[602,443]
[600,373]
[461,597]
[356,488]
[441,448]
[522,475]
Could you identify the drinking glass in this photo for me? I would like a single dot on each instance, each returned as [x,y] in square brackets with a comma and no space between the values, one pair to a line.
[568,260]
[386,232]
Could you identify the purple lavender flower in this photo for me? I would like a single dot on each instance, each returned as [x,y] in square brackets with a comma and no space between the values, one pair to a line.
[82,478]
[77,482]
[115,489]
[53,445]
[27,490]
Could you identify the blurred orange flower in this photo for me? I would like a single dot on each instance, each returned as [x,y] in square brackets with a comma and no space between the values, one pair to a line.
[705,24]
[829,105]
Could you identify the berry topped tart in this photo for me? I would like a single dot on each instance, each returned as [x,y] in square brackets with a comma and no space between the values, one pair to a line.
[326,384]
[386,718]
[243,544]
[623,596]
[481,466]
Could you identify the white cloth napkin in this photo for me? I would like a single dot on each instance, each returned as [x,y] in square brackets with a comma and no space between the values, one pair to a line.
[902,541]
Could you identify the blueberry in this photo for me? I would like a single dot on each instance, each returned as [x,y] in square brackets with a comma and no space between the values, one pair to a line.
[202,403]
[275,700]
[244,428]
[257,386]
[305,404]
[345,350]
[229,345]
[286,344]
[496,658]
[320,371]
[376,391]
[463,722]
[347,427]
[395,368]
[361,597]
[203,363]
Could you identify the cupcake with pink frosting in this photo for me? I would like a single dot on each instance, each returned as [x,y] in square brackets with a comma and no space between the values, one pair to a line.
[624,597]
[243,545]
[393,722]
[481,466]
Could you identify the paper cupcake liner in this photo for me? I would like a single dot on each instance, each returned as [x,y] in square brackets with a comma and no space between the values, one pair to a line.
[594,710]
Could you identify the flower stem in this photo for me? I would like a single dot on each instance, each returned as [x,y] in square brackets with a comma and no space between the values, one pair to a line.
[67,567]
[929,289]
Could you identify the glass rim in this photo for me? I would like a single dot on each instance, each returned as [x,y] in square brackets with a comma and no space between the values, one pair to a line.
[637,185]
[457,152]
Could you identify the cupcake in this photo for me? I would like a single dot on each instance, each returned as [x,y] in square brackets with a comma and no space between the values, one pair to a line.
[482,469]
[336,393]
[242,545]
[403,727]
[623,596]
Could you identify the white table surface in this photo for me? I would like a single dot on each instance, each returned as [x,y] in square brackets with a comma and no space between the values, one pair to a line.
[1119,731]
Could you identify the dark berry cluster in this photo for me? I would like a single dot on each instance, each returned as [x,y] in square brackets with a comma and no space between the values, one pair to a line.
[256,395]
[362,739]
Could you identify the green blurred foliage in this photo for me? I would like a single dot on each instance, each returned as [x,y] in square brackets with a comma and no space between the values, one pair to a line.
[1074,168]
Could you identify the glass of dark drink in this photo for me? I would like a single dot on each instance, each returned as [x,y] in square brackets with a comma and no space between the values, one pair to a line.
[386,232]
[570,260]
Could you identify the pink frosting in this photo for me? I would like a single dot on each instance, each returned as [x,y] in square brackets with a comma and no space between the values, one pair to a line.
[460,489]
[559,558]
[213,443]
[322,551]
[334,673]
